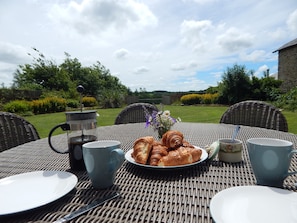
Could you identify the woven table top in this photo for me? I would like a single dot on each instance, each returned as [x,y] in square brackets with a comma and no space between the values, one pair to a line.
[179,195]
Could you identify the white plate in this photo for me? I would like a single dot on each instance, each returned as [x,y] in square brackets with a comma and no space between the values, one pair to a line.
[252,204]
[30,190]
[130,159]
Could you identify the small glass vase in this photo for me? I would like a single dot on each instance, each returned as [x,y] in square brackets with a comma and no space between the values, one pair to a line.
[162,131]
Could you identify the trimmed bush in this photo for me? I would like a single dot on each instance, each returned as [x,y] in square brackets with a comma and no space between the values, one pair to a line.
[48,105]
[209,98]
[71,103]
[17,106]
[57,104]
[38,106]
[191,99]
[89,101]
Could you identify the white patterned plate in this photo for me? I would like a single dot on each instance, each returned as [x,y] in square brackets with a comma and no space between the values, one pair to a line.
[130,159]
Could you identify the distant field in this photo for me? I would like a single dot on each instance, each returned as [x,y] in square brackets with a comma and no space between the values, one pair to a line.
[204,114]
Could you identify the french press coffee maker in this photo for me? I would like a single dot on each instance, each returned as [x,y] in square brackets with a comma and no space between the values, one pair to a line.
[81,127]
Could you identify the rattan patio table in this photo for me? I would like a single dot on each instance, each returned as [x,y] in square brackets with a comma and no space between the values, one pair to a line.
[180,195]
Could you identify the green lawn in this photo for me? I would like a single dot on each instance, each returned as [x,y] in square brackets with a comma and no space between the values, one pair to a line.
[205,114]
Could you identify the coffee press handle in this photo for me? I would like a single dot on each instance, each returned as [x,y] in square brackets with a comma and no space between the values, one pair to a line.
[291,154]
[64,127]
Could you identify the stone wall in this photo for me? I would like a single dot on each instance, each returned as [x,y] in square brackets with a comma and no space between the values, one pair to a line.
[287,67]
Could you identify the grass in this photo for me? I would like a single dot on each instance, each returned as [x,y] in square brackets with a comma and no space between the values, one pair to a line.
[45,122]
[204,114]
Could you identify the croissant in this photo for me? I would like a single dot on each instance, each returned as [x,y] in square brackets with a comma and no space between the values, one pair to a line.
[187,144]
[142,148]
[180,156]
[172,139]
[157,152]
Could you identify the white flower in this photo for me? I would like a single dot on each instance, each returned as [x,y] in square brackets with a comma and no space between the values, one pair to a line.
[161,119]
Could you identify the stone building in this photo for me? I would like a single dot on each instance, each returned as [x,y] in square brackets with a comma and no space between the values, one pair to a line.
[287,65]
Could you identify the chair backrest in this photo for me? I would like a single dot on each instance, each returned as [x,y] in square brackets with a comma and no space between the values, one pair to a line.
[14,131]
[134,113]
[255,113]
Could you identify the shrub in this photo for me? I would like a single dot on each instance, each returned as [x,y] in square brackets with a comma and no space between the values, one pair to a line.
[288,100]
[210,98]
[71,103]
[206,99]
[38,106]
[191,99]
[111,99]
[48,105]
[57,104]
[89,101]
[17,106]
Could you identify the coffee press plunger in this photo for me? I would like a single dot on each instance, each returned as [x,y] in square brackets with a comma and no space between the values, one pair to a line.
[81,128]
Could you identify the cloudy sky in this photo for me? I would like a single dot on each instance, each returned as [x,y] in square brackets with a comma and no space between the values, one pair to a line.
[173,45]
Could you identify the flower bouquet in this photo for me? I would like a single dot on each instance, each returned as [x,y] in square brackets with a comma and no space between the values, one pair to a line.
[161,121]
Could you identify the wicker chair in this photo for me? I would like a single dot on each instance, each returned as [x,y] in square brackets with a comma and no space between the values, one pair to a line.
[255,113]
[134,113]
[14,131]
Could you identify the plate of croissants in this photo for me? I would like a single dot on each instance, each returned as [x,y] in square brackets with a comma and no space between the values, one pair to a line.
[172,151]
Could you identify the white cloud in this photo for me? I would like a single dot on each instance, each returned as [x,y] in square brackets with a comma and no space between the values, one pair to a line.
[256,55]
[192,64]
[192,83]
[234,40]
[217,75]
[14,54]
[183,65]
[121,53]
[156,44]
[151,56]
[11,56]
[277,34]
[202,2]
[292,22]
[194,33]
[95,17]
[177,67]
[6,73]
[261,70]
[141,69]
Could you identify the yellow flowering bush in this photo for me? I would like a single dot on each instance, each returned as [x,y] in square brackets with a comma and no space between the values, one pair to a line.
[194,99]
[48,105]
[191,99]
[89,101]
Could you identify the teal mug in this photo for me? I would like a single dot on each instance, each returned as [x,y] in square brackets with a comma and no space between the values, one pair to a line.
[102,160]
[270,159]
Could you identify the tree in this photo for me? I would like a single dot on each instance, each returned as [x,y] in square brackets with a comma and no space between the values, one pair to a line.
[47,76]
[42,74]
[266,88]
[235,85]
[212,90]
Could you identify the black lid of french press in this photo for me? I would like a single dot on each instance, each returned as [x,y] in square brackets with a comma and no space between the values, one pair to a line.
[81,115]
[84,115]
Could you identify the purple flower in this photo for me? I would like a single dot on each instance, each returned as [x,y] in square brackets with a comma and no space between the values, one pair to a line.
[159,119]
